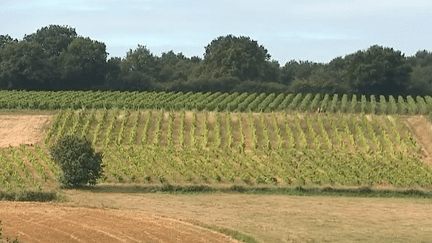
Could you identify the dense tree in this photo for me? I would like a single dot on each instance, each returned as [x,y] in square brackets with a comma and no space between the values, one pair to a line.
[233,56]
[287,74]
[421,80]
[421,75]
[4,39]
[83,64]
[139,70]
[338,64]
[260,87]
[196,59]
[24,66]
[112,75]
[293,69]
[175,67]
[421,58]
[54,57]
[272,72]
[322,80]
[142,60]
[378,70]
[53,39]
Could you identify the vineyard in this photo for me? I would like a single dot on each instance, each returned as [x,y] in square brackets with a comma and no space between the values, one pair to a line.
[156,146]
[232,102]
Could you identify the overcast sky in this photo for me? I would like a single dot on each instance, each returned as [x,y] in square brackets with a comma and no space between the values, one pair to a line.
[314,30]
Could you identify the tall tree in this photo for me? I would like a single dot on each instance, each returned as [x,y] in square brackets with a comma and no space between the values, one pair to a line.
[272,72]
[83,64]
[140,69]
[239,57]
[4,39]
[112,76]
[421,58]
[24,66]
[54,40]
[141,60]
[173,67]
[421,80]
[296,70]
[378,70]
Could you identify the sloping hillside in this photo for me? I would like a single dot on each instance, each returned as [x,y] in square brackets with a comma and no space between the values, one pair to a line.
[224,148]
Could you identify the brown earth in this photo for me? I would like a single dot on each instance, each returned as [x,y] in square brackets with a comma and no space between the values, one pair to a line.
[48,222]
[421,130]
[23,128]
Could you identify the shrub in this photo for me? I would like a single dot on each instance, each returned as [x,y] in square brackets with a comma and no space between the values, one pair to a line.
[79,163]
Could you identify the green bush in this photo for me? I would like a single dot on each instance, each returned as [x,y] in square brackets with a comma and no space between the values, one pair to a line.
[79,162]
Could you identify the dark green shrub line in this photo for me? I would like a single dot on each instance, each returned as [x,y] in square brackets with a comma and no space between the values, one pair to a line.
[30,196]
[296,190]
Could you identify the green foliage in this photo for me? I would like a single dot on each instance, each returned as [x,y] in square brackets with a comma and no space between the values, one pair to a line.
[141,59]
[55,57]
[421,80]
[24,64]
[421,58]
[308,77]
[175,67]
[54,38]
[293,69]
[5,39]
[377,70]
[83,63]
[79,163]
[234,56]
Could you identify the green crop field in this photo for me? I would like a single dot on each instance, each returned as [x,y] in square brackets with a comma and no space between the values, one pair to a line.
[209,143]
[240,102]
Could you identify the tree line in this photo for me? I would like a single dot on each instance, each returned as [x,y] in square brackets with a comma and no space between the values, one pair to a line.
[56,58]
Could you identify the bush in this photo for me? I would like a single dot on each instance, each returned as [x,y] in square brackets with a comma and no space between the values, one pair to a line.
[78,161]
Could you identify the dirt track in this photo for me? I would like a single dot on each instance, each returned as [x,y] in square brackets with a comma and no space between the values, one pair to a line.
[47,222]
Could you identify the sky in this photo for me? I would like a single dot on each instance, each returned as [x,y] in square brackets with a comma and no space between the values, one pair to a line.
[313,30]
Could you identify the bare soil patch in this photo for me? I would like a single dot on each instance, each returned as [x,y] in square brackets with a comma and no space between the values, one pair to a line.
[49,222]
[421,130]
[21,128]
